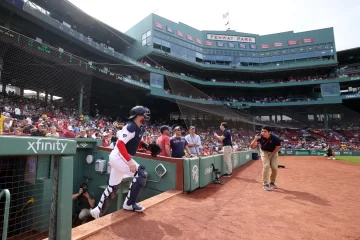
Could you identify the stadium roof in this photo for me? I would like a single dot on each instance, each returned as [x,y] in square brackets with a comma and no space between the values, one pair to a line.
[66,11]
[348,56]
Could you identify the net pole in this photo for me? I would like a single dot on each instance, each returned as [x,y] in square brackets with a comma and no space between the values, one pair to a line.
[6,215]
[54,197]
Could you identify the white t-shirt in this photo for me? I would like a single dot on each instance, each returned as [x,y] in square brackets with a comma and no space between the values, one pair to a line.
[17,111]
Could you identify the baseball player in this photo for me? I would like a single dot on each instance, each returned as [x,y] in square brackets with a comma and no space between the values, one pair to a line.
[330,153]
[122,163]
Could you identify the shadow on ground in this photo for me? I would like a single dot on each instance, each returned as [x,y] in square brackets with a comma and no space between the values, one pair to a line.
[297,196]
[138,228]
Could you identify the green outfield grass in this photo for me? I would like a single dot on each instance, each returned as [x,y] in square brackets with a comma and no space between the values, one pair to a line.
[349,159]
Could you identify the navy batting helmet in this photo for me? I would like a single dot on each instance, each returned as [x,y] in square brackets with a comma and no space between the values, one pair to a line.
[140,111]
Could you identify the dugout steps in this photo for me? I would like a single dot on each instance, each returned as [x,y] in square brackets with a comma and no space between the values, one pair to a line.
[90,228]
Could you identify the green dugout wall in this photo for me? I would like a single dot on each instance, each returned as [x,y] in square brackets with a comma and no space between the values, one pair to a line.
[37,172]
[49,170]
[198,172]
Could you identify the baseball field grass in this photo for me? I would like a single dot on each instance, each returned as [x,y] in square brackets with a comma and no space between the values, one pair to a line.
[349,159]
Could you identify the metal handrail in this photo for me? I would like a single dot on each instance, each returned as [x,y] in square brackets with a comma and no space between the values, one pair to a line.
[6,215]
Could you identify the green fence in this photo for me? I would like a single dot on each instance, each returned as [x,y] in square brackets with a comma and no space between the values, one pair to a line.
[198,172]
[316,153]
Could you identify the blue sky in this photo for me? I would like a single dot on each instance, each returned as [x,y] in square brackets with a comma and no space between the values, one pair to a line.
[258,17]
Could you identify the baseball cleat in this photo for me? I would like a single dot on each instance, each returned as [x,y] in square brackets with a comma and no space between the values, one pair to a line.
[135,207]
[95,213]
[273,185]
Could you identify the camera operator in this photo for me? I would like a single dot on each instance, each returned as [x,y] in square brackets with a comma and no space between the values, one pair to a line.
[85,202]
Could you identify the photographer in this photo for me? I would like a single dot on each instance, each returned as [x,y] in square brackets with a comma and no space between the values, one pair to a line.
[269,148]
[85,202]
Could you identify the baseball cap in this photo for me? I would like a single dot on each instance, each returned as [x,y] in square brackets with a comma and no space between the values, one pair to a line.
[192,127]
[177,127]
[164,128]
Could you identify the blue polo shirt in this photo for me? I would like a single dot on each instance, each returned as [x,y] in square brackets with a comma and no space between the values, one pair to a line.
[269,144]
[227,140]
[177,145]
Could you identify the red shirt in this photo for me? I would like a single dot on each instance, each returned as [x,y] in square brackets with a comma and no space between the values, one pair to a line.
[162,141]
[69,134]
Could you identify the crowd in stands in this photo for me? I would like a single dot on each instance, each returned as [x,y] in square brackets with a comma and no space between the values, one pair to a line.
[275,99]
[343,71]
[33,117]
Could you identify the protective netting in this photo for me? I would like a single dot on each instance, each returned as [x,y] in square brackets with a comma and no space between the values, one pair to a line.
[312,116]
[292,116]
[29,180]
[39,78]
[200,102]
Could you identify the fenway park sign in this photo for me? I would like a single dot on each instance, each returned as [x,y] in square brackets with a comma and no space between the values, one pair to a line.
[230,38]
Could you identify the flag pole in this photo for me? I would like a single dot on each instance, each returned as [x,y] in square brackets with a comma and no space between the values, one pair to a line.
[229,19]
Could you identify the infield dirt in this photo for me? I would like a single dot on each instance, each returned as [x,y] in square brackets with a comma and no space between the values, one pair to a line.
[317,199]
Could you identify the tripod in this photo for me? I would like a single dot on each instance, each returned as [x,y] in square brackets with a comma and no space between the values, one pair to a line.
[217,175]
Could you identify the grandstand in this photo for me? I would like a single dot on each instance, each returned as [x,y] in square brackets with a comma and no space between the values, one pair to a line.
[58,64]
[287,79]
[282,79]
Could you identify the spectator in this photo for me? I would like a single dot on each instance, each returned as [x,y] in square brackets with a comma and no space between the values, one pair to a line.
[105,139]
[27,127]
[52,132]
[164,141]
[178,144]
[39,132]
[194,141]
[70,133]
[2,120]
[82,133]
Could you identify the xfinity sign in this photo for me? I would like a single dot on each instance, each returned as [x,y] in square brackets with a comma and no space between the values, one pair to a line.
[39,145]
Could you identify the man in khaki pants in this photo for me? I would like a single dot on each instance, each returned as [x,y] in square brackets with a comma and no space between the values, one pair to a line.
[269,148]
[227,146]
